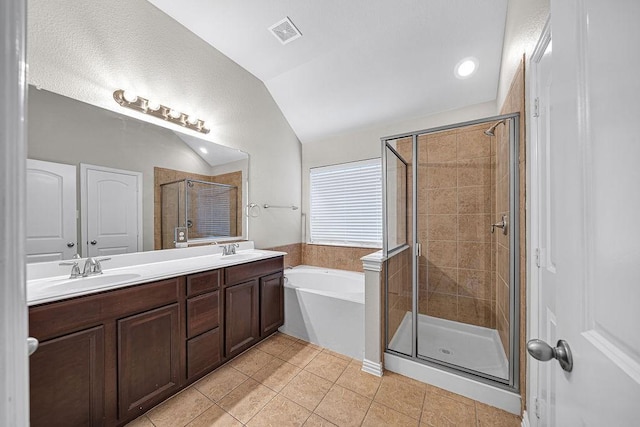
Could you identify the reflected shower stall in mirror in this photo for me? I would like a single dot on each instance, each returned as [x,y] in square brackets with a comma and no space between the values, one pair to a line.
[195,211]
[451,244]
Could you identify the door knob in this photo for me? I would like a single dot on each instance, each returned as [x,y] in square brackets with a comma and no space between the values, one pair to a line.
[540,350]
[70,244]
[94,242]
[32,345]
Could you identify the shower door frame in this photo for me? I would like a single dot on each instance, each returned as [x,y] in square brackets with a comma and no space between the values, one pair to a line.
[513,382]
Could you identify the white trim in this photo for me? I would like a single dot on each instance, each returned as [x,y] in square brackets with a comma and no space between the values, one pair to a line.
[14,363]
[533,218]
[84,167]
[488,394]
[373,262]
[525,419]
[372,367]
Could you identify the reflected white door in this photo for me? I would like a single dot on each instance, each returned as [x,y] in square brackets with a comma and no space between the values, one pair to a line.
[51,211]
[111,210]
[589,233]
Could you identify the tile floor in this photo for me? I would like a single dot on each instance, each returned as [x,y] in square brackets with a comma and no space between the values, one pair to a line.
[288,382]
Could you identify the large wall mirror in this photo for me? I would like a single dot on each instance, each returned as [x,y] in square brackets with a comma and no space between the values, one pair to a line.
[132,185]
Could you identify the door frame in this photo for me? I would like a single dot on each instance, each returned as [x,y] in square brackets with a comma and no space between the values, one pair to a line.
[14,362]
[533,215]
[84,224]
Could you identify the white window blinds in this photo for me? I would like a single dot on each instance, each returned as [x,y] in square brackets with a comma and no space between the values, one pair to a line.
[346,204]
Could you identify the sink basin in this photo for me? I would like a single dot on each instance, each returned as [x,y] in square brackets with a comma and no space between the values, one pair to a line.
[64,286]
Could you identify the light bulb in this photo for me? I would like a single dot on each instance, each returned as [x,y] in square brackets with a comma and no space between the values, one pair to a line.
[175,114]
[153,105]
[129,96]
[192,120]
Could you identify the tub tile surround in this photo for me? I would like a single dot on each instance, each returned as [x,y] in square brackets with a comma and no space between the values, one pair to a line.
[228,397]
[338,257]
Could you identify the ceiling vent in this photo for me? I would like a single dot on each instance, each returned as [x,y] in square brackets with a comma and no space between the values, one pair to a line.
[285,31]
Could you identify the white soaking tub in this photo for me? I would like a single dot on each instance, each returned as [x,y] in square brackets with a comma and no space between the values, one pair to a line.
[325,307]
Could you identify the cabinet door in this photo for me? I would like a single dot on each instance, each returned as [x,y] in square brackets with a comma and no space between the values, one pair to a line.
[148,359]
[271,303]
[203,353]
[67,380]
[241,323]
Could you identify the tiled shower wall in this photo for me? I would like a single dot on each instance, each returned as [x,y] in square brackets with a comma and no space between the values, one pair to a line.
[455,209]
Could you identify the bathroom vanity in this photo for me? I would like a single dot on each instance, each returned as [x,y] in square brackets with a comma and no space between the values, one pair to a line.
[106,358]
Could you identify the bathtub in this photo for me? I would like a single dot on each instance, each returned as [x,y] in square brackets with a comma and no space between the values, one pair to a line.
[325,307]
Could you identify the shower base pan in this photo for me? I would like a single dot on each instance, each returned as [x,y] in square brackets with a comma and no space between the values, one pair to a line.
[469,346]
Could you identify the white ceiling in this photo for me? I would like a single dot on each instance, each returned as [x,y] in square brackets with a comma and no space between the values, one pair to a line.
[359,63]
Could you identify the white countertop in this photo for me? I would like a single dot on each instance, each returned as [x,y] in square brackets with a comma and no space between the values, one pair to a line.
[48,282]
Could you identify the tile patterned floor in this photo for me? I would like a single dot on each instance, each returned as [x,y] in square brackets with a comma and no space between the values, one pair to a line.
[288,382]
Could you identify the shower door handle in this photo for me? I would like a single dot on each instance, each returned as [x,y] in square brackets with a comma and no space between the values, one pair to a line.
[502,224]
[540,350]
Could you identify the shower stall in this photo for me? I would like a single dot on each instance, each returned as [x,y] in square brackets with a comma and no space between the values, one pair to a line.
[451,244]
[195,210]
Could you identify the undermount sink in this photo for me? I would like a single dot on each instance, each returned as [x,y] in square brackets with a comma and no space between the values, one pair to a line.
[82,283]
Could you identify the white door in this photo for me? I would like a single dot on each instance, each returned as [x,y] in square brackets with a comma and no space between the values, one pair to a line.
[589,230]
[51,211]
[111,210]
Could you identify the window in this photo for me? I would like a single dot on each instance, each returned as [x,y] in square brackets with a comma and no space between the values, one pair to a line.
[346,204]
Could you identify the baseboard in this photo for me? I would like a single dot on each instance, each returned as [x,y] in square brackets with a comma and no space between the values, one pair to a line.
[525,419]
[372,368]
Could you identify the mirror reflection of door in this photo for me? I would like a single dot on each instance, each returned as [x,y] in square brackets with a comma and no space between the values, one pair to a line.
[51,211]
[111,202]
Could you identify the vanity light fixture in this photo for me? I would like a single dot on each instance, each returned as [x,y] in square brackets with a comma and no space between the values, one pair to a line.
[143,105]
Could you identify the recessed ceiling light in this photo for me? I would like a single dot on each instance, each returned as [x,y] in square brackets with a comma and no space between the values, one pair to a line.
[466,67]
[203,150]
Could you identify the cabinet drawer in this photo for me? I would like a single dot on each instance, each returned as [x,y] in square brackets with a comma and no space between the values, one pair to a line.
[203,353]
[242,272]
[203,282]
[203,313]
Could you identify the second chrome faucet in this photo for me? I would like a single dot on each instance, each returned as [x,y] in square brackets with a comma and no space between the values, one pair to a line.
[91,267]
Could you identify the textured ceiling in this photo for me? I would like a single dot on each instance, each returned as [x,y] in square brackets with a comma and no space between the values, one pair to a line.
[359,63]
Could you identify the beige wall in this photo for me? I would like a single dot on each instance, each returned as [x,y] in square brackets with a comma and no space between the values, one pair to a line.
[87,50]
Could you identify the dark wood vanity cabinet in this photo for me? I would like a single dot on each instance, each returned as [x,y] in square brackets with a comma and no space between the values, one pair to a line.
[148,359]
[271,303]
[204,339]
[67,380]
[101,352]
[242,326]
[254,303]
[104,359]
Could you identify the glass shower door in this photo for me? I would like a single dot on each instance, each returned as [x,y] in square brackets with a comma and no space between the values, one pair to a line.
[398,155]
[463,300]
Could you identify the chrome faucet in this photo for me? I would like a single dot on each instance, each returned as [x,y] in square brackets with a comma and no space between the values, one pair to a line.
[75,270]
[92,266]
[229,249]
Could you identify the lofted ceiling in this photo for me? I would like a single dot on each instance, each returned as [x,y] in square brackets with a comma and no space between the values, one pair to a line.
[359,63]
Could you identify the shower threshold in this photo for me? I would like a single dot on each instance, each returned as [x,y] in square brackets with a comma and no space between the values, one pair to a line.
[469,346]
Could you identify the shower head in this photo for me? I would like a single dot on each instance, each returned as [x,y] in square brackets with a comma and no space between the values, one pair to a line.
[491,130]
